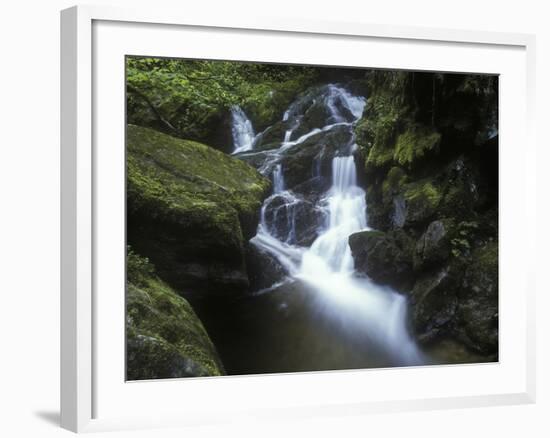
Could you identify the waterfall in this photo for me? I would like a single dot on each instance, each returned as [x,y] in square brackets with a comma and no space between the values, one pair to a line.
[241,130]
[370,311]
[328,265]
[346,209]
[278,179]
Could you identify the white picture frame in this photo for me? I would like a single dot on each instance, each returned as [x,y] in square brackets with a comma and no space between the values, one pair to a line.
[86,380]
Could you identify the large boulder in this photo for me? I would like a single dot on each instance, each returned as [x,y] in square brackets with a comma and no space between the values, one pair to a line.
[387,258]
[292,219]
[190,210]
[165,338]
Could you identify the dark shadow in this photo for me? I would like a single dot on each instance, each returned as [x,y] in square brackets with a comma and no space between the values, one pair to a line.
[52,417]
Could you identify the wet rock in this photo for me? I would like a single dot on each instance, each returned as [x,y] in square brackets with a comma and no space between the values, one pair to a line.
[292,219]
[264,270]
[313,189]
[272,137]
[313,156]
[320,107]
[399,214]
[385,257]
[434,304]
[433,247]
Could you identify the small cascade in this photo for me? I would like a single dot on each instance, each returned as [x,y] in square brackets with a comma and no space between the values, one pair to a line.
[278,179]
[288,133]
[241,130]
[346,207]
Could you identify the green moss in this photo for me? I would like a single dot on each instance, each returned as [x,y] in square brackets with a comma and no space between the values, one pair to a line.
[266,102]
[190,183]
[138,269]
[422,198]
[165,336]
[383,117]
[414,143]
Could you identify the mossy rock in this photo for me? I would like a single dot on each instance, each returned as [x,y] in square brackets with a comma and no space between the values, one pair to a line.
[478,308]
[165,338]
[190,209]
[422,199]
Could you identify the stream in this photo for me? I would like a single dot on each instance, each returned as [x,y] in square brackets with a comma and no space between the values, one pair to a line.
[320,314]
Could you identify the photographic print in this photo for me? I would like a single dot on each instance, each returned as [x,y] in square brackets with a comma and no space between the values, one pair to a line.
[292,218]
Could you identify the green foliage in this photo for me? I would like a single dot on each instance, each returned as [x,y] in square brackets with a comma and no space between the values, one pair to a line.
[414,143]
[425,190]
[187,97]
[385,115]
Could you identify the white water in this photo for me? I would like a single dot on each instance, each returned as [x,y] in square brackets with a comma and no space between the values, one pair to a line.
[337,95]
[278,179]
[347,214]
[369,311]
[241,130]
[328,265]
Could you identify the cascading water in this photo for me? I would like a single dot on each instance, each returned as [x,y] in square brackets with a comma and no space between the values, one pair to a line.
[241,130]
[278,179]
[328,265]
[368,311]
[347,214]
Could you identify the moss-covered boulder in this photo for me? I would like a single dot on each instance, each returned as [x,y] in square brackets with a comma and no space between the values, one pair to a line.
[478,305]
[190,209]
[165,338]
[387,258]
